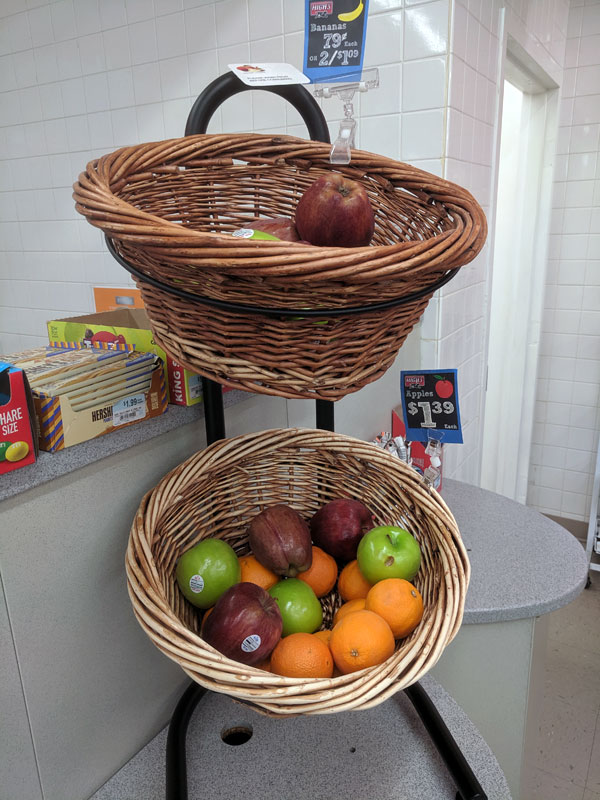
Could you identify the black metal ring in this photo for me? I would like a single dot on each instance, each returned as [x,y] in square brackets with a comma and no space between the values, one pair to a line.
[278,312]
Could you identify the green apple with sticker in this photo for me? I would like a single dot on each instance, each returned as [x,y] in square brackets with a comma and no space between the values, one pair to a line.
[207,570]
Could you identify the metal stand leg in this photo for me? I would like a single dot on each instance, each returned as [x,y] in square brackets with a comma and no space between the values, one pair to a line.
[214,416]
[468,786]
[325,419]
[176,776]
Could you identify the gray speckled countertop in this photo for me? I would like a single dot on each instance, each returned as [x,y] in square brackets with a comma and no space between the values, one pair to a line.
[52,465]
[522,563]
[382,753]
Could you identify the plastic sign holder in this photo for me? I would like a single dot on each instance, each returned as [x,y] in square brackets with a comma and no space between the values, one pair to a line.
[345,141]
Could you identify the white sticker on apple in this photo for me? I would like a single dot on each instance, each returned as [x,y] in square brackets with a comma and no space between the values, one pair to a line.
[251,643]
[196,583]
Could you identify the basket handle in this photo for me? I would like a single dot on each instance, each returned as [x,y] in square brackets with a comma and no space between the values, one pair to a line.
[228,85]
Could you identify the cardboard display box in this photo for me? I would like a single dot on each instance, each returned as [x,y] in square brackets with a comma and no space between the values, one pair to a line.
[421,460]
[61,426]
[18,434]
[126,329]
[108,299]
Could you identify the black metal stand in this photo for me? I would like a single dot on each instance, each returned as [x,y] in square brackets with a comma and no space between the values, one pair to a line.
[469,787]
[203,109]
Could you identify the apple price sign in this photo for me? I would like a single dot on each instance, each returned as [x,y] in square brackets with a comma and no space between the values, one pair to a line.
[430,405]
[334,40]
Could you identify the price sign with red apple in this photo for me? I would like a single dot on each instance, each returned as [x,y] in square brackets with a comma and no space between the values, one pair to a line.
[430,403]
[334,40]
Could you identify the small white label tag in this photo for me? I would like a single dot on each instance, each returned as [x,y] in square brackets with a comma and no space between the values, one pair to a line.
[270,74]
[196,583]
[243,233]
[195,386]
[129,409]
[251,643]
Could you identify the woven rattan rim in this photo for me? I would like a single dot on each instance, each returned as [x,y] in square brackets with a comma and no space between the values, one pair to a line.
[170,519]
[455,221]
[278,312]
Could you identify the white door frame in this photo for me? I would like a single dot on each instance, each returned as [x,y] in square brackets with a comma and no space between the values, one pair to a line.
[517,283]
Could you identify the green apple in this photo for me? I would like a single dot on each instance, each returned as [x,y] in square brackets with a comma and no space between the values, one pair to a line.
[300,608]
[388,552]
[206,570]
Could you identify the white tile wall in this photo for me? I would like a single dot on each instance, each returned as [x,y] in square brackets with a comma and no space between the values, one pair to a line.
[471,135]
[81,78]
[568,387]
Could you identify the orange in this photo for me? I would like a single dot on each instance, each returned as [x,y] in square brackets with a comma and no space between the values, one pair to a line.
[347,608]
[324,636]
[361,639]
[302,655]
[254,572]
[322,573]
[205,617]
[399,603]
[352,584]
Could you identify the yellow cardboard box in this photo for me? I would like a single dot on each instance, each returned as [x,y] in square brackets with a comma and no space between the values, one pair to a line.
[61,426]
[126,329]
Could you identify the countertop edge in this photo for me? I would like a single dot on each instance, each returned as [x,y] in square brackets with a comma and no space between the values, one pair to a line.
[523,612]
[51,466]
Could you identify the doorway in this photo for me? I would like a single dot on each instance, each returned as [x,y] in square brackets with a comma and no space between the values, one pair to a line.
[520,250]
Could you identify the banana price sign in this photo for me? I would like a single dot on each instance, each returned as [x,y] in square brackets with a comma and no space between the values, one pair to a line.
[430,404]
[334,40]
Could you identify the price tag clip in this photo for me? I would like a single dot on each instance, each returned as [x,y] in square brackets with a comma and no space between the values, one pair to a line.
[340,149]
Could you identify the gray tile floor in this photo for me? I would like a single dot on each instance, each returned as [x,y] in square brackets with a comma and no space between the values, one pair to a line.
[567,756]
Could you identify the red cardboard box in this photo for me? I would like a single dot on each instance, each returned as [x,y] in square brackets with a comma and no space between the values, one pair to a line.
[420,459]
[18,434]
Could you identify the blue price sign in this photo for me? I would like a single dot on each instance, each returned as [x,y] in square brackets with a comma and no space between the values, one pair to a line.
[334,40]
[430,405]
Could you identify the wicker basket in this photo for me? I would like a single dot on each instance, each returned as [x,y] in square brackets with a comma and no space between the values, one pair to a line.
[218,490]
[168,207]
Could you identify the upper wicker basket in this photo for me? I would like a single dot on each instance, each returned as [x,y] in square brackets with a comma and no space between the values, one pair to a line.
[235,310]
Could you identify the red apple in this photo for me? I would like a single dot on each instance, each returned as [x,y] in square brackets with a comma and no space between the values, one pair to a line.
[245,624]
[444,388]
[280,540]
[335,212]
[281,227]
[339,525]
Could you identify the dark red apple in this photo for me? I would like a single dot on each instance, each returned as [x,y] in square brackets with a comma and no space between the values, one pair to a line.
[245,624]
[280,540]
[335,212]
[338,527]
[281,227]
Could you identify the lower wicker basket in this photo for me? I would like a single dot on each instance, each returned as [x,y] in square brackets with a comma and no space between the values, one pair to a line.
[218,490]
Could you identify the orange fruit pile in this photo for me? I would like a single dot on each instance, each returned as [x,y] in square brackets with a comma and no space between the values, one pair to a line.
[322,573]
[364,630]
[254,572]
[361,639]
[352,584]
[398,602]
[302,655]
